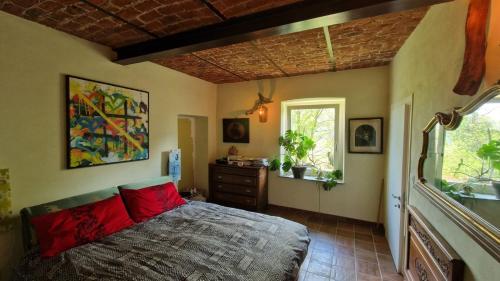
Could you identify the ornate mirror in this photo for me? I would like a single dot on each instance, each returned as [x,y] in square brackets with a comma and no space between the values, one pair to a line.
[459,168]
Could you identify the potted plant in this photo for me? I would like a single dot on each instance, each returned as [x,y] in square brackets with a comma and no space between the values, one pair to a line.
[296,146]
[490,153]
[331,179]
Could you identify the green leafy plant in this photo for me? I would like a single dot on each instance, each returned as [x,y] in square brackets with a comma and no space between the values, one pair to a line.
[449,189]
[297,146]
[490,153]
[331,179]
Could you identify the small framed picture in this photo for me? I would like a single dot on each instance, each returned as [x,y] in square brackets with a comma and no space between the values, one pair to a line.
[236,130]
[366,135]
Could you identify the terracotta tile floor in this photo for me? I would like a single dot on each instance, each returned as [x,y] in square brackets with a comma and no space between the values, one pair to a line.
[342,249]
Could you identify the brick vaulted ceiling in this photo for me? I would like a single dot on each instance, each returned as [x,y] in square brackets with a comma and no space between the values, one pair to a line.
[357,44]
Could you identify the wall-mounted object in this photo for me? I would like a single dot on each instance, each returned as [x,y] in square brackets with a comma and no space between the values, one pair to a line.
[366,135]
[459,167]
[174,165]
[236,130]
[263,114]
[106,123]
[260,107]
[474,64]
[6,219]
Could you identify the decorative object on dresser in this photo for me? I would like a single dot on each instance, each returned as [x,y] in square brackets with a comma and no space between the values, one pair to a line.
[243,187]
[236,130]
[106,123]
[366,135]
[430,257]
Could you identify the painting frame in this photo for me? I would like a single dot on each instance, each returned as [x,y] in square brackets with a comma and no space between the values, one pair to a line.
[245,125]
[373,144]
[68,108]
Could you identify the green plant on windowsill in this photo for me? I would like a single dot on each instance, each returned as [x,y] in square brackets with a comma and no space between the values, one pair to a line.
[331,179]
[489,154]
[297,146]
[449,189]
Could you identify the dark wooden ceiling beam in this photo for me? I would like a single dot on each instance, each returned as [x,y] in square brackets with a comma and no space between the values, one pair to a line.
[214,9]
[305,15]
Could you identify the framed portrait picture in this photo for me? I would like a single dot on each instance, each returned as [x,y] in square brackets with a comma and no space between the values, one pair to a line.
[236,130]
[106,123]
[366,135]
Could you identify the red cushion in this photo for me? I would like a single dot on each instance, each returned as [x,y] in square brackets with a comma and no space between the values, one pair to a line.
[69,228]
[148,202]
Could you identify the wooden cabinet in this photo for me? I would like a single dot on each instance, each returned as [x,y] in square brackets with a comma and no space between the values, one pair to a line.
[430,257]
[241,187]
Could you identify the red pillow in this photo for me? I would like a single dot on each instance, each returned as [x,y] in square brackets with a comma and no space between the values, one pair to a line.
[148,202]
[63,230]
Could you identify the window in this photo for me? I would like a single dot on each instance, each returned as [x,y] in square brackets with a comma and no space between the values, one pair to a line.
[323,120]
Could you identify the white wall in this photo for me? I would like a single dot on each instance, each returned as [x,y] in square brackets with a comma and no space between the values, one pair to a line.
[366,92]
[34,60]
[428,66]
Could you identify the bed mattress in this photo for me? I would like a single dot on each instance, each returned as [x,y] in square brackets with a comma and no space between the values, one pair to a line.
[197,241]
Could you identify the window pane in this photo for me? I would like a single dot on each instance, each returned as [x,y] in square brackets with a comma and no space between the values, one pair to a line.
[318,124]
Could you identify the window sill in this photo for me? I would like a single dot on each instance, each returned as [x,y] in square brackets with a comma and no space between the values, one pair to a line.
[309,178]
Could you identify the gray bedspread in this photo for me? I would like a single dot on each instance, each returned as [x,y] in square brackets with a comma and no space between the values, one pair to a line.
[197,241]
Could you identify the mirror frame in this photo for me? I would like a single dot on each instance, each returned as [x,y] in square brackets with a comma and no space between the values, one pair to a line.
[481,231]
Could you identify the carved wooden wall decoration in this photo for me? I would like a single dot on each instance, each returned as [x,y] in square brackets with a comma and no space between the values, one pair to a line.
[429,256]
[475,48]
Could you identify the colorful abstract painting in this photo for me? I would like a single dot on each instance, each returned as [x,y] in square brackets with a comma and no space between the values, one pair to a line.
[106,123]
[6,218]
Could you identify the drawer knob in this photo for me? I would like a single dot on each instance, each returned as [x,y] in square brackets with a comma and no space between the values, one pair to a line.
[219,177]
[247,180]
[219,186]
[248,190]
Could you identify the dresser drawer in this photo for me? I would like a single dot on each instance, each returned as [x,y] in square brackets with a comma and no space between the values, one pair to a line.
[236,199]
[418,266]
[237,189]
[236,179]
[236,171]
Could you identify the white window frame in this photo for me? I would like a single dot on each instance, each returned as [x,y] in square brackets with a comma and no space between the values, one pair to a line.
[340,130]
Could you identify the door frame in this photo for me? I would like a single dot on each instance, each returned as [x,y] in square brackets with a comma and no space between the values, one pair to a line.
[406,184]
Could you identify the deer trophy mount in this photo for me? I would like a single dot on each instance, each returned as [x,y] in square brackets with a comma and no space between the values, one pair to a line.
[259,104]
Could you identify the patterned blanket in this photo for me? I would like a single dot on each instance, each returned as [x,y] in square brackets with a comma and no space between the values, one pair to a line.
[197,241]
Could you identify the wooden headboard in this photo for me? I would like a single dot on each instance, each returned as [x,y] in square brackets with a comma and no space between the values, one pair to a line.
[430,257]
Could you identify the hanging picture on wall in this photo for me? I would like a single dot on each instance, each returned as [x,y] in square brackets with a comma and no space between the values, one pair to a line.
[236,130]
[366,135]
[106,123]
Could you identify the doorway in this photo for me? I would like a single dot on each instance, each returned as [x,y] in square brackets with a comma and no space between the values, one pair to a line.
[398,171]
[192,139]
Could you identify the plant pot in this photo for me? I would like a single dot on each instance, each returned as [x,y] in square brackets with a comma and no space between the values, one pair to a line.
[299,172]
[496,186]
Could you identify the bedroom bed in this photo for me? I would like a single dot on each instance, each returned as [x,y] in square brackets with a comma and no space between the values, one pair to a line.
[196,241]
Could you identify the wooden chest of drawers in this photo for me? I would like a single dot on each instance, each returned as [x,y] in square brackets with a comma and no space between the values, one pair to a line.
[430,257]
[240,187]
